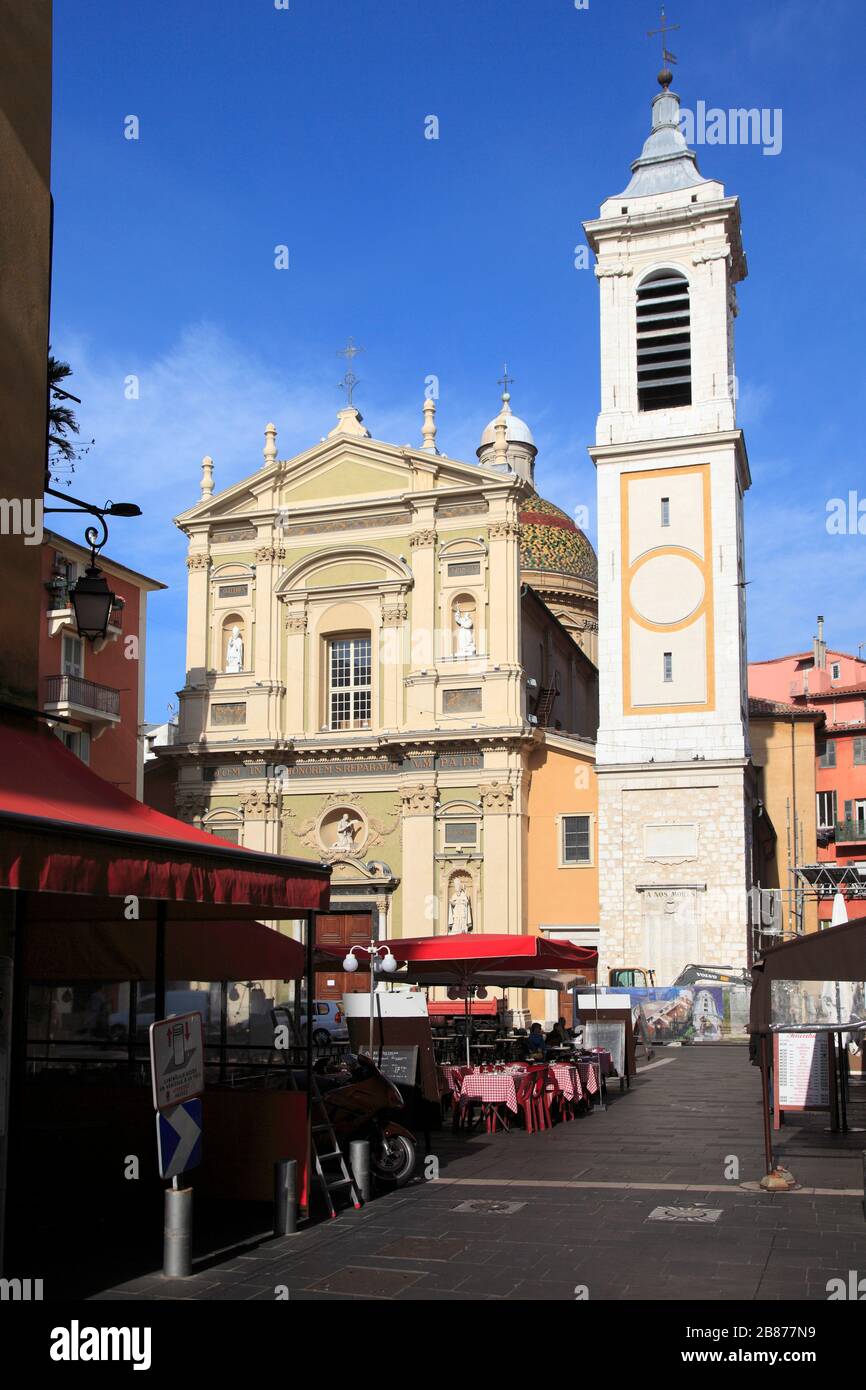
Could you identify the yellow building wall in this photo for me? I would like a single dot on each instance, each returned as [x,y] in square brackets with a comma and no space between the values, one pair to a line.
[786,778]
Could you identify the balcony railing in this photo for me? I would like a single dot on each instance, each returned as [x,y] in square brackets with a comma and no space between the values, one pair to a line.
[73,690]
[849,832]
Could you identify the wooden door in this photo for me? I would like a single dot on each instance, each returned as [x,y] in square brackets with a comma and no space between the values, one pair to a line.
[342,929]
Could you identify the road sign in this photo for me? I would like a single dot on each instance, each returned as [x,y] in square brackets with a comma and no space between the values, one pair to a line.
[178,1138]
[176,1059]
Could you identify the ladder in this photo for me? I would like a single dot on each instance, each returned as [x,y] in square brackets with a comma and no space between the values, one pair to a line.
[329,1163]
[544,705]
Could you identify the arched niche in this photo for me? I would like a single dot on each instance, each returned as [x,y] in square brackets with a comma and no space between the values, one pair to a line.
[465,628]
[234,652]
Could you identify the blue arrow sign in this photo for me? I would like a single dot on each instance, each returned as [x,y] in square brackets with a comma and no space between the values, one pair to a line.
[178,1138]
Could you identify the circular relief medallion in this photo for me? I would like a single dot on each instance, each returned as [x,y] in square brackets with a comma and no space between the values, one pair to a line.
[667,589]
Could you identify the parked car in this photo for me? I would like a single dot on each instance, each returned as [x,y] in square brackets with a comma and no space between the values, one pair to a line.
[329,1022]
[177,1001]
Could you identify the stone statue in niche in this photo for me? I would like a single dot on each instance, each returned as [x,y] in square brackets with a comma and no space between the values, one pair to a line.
[466,633]
[346,831]
[235,652]
[459,912]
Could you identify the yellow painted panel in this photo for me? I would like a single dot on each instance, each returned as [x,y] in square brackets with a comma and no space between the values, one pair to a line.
[346,479]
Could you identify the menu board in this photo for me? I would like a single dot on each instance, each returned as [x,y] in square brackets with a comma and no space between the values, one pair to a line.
[399,1064]
[802,1072]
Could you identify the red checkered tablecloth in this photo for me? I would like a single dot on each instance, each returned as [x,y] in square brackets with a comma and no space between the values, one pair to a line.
[568,1080]
[589,1076]
[449,1079]
[493,1087]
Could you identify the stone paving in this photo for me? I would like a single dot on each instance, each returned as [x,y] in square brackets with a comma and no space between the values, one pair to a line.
[565,1212]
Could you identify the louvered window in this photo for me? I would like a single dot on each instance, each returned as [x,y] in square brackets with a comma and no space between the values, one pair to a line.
[664,354]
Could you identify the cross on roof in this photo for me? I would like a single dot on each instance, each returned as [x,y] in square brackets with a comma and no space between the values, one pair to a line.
[350,381]
[505,380]
[667,56]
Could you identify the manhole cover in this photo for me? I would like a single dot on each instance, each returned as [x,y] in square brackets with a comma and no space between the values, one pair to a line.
[368,1283]
[704,1216]
[500,1208]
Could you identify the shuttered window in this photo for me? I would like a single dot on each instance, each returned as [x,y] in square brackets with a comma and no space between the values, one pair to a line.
[664,352]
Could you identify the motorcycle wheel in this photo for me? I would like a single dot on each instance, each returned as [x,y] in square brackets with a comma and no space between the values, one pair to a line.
[392,1160]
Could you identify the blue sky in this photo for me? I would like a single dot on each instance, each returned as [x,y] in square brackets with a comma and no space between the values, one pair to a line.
[305,127]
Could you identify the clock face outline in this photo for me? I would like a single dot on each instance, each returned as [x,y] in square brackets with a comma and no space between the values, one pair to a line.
[667,589]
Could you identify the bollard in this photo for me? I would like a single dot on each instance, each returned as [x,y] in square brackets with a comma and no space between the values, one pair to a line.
[285,1197]
[359,1161]
[177,1233]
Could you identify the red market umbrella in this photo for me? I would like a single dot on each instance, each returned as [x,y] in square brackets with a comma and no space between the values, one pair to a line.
[467,960]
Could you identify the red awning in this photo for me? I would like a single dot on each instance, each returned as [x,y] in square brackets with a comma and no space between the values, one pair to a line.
[194,951]
[460,957]
[478,1008]
[68,835]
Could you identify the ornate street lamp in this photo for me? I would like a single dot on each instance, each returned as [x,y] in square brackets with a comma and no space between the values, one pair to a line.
[378,954]
[91,598]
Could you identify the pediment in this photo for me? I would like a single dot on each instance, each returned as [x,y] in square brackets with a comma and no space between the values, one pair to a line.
[341,470]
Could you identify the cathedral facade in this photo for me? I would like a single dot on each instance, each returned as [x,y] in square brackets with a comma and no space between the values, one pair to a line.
[373,678]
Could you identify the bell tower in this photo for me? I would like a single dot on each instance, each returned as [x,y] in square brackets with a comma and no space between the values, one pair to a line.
[672,471]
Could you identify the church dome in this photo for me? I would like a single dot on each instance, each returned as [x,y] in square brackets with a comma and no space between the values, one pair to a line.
[551,542]
[516,431]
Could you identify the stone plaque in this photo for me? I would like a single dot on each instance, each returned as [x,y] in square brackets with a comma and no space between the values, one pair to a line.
[232,590]
[671,931]
[233,713]
[670,843]
[467,701]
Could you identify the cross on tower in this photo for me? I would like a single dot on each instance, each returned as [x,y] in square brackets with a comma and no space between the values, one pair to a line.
[350,381]
[667,56]
[505,380]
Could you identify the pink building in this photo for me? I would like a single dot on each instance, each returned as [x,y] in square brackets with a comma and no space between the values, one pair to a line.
[833,683]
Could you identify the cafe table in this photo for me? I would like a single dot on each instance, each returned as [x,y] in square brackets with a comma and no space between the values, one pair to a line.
[568,1080]
[491,1087]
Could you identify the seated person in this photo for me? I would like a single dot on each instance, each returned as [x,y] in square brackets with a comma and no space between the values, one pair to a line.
[536,1046]
[559,1035]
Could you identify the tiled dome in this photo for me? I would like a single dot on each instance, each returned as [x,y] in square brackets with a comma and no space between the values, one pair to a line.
[550,540]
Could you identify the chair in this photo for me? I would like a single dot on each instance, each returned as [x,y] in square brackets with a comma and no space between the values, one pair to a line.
[545,1086]
[526,1100]
[464,1105]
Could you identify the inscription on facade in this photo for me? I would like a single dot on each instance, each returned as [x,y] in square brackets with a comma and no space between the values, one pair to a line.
[234,713]
[467,701]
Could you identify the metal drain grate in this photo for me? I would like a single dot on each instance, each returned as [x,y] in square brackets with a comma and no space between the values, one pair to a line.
[499,1208]
[698,1216]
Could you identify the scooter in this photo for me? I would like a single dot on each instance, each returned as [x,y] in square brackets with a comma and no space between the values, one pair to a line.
[363,1104]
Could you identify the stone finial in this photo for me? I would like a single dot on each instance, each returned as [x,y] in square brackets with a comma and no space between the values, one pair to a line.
[500,445]
[270,449]
[350,421]
[206,477]
[428,430]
